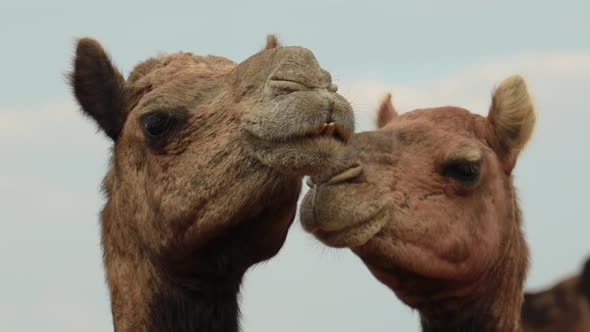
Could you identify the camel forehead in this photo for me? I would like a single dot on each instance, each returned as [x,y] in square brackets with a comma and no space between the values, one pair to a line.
[178,75]
[295,64]
[445,116]
[158,70]
[429,123]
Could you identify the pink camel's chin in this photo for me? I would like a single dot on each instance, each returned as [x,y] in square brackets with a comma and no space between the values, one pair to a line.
[353,233]
[391,280]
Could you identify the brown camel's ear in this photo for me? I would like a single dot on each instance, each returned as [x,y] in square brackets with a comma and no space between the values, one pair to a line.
[585,280]
[386,111]
[512,118]
[99,87]
[271,42]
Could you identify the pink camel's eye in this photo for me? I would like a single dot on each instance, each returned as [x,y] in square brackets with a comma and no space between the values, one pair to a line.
[461,170]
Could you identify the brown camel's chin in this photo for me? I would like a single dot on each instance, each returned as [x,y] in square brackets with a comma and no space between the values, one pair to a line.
[302,155]
[272,229]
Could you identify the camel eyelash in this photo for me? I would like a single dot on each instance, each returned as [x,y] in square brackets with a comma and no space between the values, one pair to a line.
[465,171]
[158,125]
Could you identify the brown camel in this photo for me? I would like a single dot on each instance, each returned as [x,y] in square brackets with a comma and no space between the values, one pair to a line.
[206,168]
[427,203]
[565,307]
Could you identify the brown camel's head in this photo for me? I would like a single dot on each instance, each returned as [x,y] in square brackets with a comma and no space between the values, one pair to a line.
[565,307]
[208,154]
[427,200]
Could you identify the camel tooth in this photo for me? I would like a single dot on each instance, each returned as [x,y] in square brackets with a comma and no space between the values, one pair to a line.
[330,128]
[317,131]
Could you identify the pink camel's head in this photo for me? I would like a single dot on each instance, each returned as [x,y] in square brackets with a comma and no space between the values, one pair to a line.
[427,201]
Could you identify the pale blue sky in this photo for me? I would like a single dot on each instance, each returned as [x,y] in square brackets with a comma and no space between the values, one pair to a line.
[428,53]
[411,41]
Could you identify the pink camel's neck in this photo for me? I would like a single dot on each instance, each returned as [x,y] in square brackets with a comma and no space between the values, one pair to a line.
[497,312]
[495,303]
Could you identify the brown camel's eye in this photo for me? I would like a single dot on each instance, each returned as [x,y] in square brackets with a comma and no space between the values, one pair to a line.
[156,123]
[461,170]
[158,126]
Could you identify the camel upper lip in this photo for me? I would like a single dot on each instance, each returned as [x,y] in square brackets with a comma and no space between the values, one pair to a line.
[349,173]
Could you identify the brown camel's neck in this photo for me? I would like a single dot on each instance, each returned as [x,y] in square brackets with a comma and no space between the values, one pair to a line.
[179,309]
[145,298]
[181,287]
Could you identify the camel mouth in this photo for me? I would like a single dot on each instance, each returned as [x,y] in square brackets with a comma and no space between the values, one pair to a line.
[298,154]
[326,131]
[351,234]
[329,130]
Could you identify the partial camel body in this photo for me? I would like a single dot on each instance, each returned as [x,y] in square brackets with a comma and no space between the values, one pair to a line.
[565,307]
[206,168]
[427,202]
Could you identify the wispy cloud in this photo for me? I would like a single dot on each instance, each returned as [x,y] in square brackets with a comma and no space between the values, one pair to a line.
[548,74]
[52,163]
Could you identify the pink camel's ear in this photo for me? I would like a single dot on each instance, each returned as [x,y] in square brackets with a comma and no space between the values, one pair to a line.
[99,87]
[271,42]
[386,111]
[512,119]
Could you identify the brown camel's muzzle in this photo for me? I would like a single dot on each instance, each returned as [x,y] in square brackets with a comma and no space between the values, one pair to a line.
[297,123]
